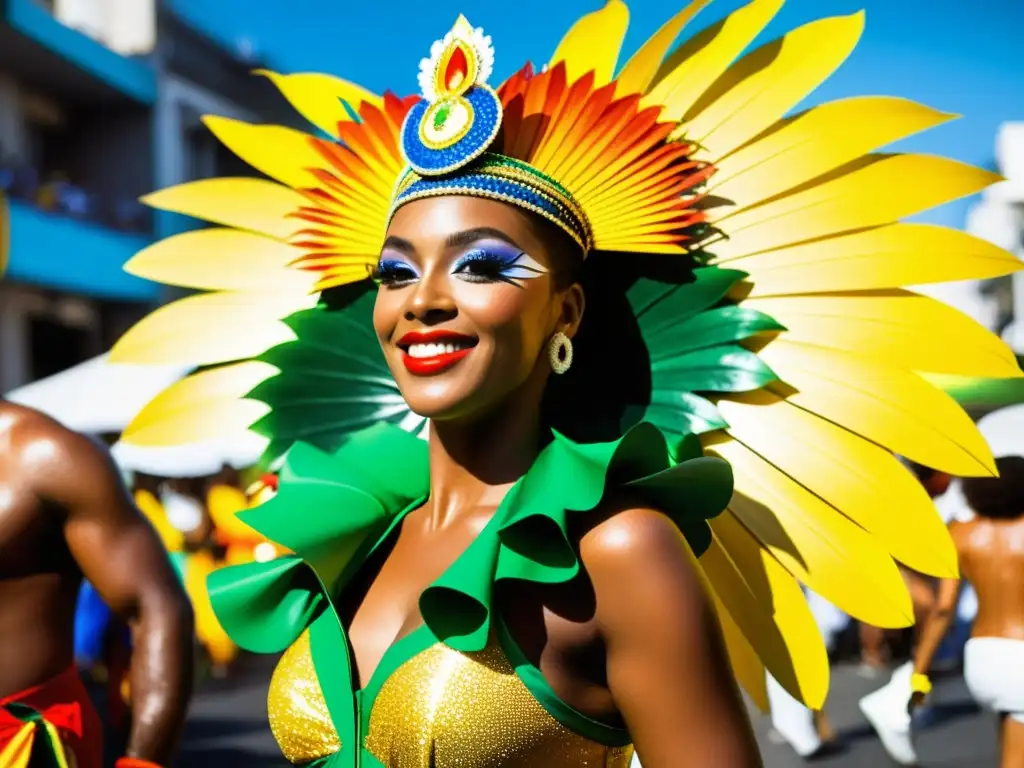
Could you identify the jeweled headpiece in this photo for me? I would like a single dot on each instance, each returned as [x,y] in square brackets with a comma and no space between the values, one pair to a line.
[445,138]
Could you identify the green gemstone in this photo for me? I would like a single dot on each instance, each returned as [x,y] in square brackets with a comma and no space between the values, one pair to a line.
[441,116]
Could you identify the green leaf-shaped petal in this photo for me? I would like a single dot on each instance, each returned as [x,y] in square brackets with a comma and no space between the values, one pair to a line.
[682,413]
[333,379]
[727,368]
[721,325]
[682,302]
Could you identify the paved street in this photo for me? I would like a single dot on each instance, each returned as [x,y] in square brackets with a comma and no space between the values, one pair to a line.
[956,734]
[228,727]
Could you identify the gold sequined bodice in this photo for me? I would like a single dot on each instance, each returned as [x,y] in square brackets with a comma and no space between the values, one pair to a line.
[298,714]
[440,708]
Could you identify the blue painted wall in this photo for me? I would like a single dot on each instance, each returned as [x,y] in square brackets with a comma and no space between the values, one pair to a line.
[74,256]
[133,77]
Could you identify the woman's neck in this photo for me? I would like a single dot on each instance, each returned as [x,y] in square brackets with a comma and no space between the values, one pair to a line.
[473,465]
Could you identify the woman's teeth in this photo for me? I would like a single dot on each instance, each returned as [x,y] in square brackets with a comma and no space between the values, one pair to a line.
[434,350]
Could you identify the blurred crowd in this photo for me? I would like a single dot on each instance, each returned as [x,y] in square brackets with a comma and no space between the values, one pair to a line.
[54,192]
[197,520]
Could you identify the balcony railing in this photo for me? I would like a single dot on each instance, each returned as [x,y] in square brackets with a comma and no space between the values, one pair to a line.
[54,194]
[61,250]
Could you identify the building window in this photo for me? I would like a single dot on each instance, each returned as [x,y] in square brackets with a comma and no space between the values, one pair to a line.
[127,27]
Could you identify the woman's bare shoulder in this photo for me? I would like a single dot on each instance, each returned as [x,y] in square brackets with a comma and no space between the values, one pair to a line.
[631,547]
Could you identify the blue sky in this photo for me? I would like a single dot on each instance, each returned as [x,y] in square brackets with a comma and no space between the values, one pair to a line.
[961,57]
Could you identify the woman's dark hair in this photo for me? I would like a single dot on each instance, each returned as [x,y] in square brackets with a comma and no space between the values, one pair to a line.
[568,255]
[999,498]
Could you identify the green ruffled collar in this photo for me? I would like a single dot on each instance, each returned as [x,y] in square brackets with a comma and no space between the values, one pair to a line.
[332,509]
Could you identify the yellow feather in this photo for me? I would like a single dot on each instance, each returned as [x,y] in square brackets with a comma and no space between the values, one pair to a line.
[879,190]
[890,406]
[865,482]
[813,541]
[643,65]
[222,259]
[342,276]
[767,83]
[747,667]
[281,153]
[224,503]
[692,68]
[770,610]
[817,141]
[205,406]
[806,653]
[256,205]
[211,328]
[318,97]
[148,504]
[885,257]
[593,43]
[896,328]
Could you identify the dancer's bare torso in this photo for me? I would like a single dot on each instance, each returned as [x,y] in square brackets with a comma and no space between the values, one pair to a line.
[992,560]
[39,579]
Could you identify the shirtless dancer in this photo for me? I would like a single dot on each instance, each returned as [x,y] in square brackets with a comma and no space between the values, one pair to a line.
[991,551]
[920,587]
[886,708]
[65,514]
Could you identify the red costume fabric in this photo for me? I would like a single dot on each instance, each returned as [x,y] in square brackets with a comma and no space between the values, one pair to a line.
[53,724]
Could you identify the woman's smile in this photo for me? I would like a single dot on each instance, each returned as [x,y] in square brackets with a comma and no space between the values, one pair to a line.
[426,353]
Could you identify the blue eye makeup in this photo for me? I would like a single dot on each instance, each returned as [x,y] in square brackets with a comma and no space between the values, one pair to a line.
[392,270]
[495,261]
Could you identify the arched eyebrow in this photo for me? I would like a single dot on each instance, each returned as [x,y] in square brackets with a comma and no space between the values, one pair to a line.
[399,244]
[470,236]
[454,240]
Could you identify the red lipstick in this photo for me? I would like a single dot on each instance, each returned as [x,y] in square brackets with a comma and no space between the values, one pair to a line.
[428,352]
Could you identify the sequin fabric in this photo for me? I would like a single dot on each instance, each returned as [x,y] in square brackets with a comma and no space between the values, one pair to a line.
[298,713]
[445,709]
[503,178]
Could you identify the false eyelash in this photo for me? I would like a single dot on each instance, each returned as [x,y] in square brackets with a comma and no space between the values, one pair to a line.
[496,267]
[392,272]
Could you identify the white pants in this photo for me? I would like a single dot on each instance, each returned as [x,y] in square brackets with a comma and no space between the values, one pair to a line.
[994,672]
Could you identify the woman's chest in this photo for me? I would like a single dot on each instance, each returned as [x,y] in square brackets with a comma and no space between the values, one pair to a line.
[382,605]
[435,707]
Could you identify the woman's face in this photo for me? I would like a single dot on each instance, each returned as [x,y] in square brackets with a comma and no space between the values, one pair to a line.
[467,304]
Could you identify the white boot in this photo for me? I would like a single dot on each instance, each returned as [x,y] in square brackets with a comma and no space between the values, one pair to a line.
[793,721]
[888,711]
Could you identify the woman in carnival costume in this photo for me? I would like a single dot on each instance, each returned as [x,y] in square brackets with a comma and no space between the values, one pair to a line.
[532,584]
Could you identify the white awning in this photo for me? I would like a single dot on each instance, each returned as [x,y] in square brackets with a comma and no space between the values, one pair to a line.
[193,460]
[97,396]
